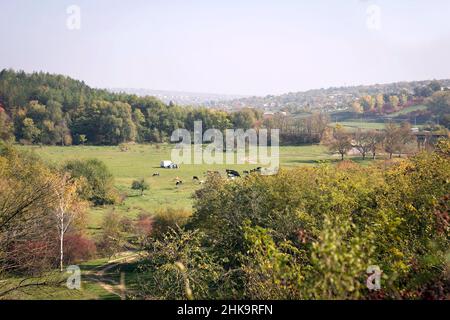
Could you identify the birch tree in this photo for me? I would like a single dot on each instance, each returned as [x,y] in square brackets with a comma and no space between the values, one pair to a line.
[68,209]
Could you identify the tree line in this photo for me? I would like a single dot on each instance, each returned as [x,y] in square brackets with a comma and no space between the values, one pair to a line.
[394,139]
[385,103]
[42,108]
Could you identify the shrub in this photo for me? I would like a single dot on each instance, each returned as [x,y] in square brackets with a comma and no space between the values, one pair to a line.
[169,218]
[124,147]
[113,238]
[144,226]
[312,232]
[77,247]
[180,268]
[99,186]
[271,271]
[141,185]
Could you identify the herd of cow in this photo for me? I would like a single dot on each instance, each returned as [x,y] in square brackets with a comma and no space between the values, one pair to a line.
[231,174]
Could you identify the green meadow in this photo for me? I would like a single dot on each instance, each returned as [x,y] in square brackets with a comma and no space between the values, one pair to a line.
[142,161]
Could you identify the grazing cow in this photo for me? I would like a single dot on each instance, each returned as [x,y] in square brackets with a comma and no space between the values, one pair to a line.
[256,170]
[195,178]
[232,173]
[156,174]
[179,183]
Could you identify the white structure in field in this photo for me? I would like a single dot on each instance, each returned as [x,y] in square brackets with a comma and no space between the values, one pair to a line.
[166,164]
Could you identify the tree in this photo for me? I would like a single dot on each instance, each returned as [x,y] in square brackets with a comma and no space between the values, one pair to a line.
[391,139]
[396,138]
[27,200]
[244,119]
[362,142]
[30,131]
[375,139]
[380,103]
[99,182]
[357,107]
[141,185]
[82,139]
[68,209]
[435,86]
[6,127]
[368,103]
[439,105]
[340,142]
[404,99]
[394,101]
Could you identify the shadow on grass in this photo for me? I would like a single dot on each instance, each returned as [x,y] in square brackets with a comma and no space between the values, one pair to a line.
[312,161]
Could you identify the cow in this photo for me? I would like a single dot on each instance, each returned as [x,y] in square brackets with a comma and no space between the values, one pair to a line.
[195,178]
[246,172]
[178,183]
[256,170]
[233,173]
[156,174]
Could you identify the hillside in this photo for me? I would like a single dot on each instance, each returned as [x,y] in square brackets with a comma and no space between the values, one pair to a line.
[328,100]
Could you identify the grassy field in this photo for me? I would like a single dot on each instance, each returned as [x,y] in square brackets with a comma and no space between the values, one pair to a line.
[352,121]
[408,110]
[141,161]
[361,124]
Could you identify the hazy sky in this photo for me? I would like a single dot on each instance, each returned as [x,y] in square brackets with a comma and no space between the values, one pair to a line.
[235,47]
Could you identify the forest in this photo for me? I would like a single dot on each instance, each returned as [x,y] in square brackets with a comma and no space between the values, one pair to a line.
[41,108]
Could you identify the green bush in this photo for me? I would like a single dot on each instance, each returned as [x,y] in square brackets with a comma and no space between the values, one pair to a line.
[335,221]
[179,268]
[99,182]
[140,185]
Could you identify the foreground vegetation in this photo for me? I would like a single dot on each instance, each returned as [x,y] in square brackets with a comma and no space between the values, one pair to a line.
[309,232]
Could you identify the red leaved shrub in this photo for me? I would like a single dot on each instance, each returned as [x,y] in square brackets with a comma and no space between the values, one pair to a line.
[78,247]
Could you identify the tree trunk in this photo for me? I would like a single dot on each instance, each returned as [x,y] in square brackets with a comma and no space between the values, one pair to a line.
[61,245]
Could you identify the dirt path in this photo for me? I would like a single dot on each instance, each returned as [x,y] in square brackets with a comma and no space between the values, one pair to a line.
[99,274]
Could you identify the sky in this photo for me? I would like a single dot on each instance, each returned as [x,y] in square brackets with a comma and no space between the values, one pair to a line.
[253,47]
